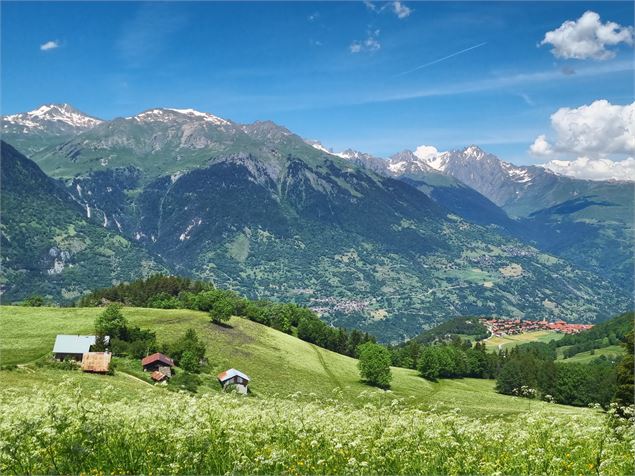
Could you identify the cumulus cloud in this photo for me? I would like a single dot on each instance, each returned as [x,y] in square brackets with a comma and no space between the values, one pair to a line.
[426,152]
[600,128]
[50,45]
[594,169]
[541,146]
[369,45]
[401,10]
[587,37]
[597,135]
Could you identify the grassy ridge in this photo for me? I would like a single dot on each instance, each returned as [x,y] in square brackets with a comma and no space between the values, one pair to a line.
[279,364]
[611,352]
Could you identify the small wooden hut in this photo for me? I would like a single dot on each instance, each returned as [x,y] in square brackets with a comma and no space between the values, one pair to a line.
[234,377]
[96,362]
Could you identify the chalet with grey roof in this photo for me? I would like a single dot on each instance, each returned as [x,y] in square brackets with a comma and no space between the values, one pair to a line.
[234,377]
[73,346]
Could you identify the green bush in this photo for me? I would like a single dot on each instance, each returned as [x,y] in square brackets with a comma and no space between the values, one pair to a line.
[374,364]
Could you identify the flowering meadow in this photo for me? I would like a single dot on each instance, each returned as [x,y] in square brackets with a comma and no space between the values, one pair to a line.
[65,430]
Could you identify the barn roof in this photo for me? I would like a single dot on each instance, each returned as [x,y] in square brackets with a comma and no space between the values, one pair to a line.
[228,374]
[157,357]
[96,361]
[73,344]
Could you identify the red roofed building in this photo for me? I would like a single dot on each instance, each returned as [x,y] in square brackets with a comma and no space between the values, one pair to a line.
[158,362]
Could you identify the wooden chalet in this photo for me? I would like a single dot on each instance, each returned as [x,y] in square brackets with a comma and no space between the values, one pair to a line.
[158,362]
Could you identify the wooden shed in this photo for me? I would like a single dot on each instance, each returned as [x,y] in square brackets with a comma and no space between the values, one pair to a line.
[158,362]
[97,362]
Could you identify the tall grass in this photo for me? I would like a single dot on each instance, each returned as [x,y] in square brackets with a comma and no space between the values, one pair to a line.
[65,431]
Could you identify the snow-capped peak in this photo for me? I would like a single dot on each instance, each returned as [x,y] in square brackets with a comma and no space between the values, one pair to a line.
[473,152]
[407,161]
[168,114]
[206,116]
[47,115]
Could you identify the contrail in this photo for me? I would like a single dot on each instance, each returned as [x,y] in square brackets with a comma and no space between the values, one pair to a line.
[441,59]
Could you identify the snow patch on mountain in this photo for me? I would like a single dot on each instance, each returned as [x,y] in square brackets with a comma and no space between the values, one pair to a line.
[51,115]
[168,115]
[206,116]
[318,145]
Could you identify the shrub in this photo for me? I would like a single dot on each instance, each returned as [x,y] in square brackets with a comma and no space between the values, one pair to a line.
[374,364]
[34,301]
[111,322]
[189,363]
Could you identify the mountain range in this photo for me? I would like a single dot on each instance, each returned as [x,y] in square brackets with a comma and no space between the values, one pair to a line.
[587,222]
[385,245]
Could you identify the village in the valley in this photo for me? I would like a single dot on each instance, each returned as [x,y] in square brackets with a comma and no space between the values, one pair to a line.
[505,327]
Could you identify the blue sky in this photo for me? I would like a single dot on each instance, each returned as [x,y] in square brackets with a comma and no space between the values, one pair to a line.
[343,73]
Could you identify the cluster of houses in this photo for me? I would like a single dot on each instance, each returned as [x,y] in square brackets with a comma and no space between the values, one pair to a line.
[505,327]
[78,348]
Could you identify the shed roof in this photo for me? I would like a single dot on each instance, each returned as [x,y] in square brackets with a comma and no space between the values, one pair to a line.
[73,344]
[158,376]
[96,361]
[228,374]
[157,357]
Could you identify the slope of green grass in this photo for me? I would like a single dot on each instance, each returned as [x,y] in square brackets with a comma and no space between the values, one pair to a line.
[611,351]
[507,342]
[279,364]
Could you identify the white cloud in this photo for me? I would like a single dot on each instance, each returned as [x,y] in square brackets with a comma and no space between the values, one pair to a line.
[426,152]
[50,45]
[370,5]
[401,10]
[370,44]
[594,169]
[598,129]
[598,135]
[397,7]
[587,37]
[541,146]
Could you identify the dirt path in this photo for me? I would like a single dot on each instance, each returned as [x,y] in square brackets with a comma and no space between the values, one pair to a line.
[135,378]
[330,374]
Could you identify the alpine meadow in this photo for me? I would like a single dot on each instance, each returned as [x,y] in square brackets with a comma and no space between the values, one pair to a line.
[338,238]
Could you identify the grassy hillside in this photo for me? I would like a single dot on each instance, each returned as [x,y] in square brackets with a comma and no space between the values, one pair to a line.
[507,342]
[279,364]
[611,352]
